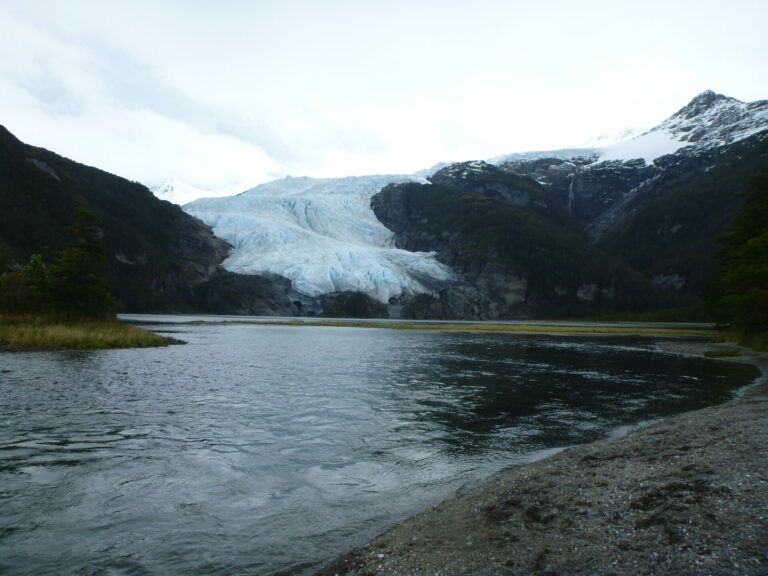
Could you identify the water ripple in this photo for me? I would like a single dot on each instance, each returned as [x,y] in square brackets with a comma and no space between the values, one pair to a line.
[255,449]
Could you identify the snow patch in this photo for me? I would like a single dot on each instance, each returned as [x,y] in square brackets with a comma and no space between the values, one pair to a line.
[648,146]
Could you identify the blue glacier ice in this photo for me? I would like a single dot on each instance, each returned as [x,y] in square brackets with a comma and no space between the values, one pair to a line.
[322,234]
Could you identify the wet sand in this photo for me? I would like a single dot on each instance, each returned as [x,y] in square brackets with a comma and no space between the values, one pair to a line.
[685,496]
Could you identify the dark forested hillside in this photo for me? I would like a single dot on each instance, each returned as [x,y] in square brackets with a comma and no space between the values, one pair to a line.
[672,237]
[158,257]
[519,254]
[741,296]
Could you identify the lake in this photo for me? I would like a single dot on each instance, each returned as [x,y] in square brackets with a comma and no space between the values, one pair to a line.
[254,450]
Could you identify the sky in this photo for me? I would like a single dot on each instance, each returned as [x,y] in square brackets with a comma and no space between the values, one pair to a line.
[228,94]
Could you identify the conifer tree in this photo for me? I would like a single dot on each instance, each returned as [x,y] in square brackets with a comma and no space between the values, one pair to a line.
[79,286]
[744,282]
[37,285]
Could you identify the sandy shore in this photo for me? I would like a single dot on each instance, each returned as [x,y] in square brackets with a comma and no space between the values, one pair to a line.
[688,495]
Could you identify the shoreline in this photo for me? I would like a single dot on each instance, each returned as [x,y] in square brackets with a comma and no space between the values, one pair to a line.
[528,327]
[685,495]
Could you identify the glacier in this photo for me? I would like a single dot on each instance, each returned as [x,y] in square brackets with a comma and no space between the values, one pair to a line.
[322,234]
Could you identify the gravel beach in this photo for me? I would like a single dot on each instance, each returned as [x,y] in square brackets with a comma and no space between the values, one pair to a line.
[687,495]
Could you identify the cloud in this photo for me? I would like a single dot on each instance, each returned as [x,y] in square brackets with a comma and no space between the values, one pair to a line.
[297,87]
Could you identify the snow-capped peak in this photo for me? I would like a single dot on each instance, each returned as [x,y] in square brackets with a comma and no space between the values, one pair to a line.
[708,121]
[180,192]
[464,170]
[711,120]
[701,103]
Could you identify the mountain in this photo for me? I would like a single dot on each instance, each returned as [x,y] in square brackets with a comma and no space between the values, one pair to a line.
[660,200]
[159,257]
[629,225]
[671,231]
[515,248]
[602,186]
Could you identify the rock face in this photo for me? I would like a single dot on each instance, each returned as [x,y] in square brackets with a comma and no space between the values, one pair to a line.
[224,292]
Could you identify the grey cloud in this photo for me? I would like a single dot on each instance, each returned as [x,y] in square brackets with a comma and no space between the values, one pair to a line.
[134,84]
[50,90]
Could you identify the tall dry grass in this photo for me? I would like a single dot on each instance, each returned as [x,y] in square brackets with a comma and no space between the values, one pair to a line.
[16,332]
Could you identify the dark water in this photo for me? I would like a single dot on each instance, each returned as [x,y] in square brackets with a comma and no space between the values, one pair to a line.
[256,449]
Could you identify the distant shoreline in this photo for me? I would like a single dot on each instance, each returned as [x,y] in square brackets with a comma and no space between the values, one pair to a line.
[686,495]
[564,327]
[561,329]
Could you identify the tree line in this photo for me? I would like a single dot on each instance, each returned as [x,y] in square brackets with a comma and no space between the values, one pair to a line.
[73,287]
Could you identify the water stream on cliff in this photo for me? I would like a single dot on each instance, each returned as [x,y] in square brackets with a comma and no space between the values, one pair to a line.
[258,449]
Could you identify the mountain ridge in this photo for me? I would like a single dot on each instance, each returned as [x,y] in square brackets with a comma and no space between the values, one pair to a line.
[562,232]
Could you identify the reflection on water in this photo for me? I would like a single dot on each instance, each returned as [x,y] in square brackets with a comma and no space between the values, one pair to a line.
[256,448]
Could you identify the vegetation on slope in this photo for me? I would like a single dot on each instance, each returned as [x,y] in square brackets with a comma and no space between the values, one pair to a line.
[471,230]
[155,252]
[741,296]
[676,232]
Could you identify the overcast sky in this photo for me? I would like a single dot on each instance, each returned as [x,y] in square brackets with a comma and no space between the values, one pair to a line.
[234,93]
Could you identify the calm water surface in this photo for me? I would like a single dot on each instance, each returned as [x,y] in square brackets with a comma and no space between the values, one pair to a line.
[257,449]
